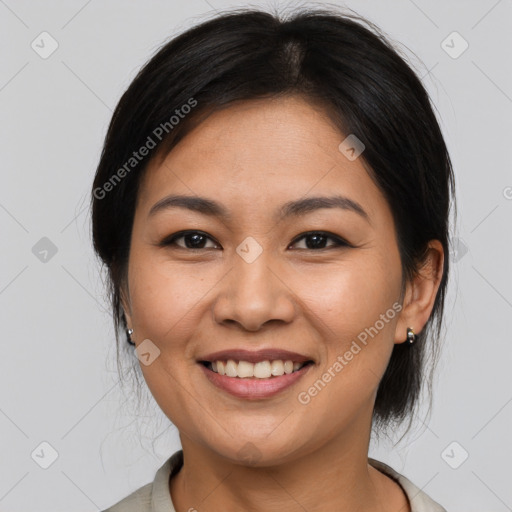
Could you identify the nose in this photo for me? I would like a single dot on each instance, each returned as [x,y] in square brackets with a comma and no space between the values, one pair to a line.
[254,294]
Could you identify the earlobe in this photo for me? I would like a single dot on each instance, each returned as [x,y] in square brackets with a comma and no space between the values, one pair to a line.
[125,304]
[421,293]
[128,319]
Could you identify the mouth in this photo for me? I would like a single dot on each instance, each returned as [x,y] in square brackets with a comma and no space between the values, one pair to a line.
[254,375]
[266,369]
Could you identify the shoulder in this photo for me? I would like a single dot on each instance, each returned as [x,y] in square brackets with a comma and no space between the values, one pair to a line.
[137,501]
[420,501]
[154,496]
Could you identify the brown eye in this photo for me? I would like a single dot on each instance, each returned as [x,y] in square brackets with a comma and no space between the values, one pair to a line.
[318,239]
[192,240]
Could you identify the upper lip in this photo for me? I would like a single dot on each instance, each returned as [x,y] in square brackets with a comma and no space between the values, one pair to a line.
[255,356]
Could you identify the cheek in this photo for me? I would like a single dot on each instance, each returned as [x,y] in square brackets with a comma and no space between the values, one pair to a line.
[354,308]
[353,295]
[166,298]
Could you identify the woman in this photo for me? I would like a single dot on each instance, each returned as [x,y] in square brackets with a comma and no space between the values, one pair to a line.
[272,205]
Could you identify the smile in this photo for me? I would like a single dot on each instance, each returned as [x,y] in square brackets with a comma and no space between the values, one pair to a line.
[260,370]
[254,381]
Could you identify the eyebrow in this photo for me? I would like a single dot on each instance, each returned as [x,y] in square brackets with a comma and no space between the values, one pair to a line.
[292,208]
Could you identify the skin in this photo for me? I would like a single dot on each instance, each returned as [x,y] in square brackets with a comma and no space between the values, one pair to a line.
[252,157]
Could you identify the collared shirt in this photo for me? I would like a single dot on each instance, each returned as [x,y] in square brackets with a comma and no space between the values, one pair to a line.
[156,497]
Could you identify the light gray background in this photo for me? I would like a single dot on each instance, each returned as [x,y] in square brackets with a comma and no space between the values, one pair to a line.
[58,375]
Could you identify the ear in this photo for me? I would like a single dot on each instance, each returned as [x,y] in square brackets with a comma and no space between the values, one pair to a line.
[124,295]
[421,292]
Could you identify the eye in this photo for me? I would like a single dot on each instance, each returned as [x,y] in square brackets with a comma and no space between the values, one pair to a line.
[192,239]
[199,240]
[317,240]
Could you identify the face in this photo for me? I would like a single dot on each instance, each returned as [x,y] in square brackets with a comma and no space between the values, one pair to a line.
[260,275]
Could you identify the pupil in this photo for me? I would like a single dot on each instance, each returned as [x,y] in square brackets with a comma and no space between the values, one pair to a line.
[318,241]
[196,240]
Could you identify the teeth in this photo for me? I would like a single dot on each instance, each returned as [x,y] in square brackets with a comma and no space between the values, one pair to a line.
[231,368]
[277,368]
[245,369]
[260,370]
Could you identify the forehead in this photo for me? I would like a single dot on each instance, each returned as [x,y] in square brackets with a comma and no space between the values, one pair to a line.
[255,153]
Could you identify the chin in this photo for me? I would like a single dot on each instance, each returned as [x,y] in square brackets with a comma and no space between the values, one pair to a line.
[259,452]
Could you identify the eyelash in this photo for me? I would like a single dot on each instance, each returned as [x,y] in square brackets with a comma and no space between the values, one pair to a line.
[338,242]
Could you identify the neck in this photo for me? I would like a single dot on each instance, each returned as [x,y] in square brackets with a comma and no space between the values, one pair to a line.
[335,476]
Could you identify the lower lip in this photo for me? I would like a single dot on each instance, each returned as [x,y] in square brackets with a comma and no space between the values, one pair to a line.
[254,388]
